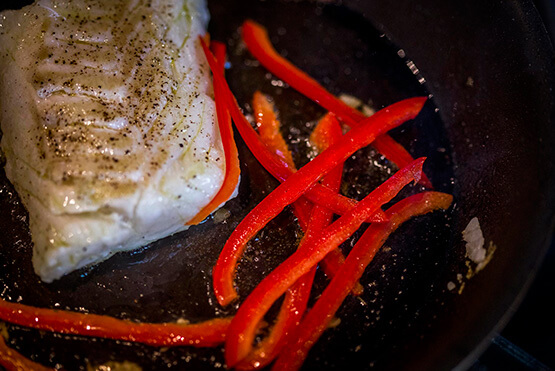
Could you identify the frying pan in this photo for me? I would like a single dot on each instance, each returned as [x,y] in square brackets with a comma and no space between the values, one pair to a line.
[488,134]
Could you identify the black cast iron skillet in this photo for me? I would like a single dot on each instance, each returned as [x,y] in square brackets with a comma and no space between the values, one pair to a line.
[487,132]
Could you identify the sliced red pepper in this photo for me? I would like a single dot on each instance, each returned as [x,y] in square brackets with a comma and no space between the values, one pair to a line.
[256,38]
[204,334]
[294,304]
[11,360]
[297,183]
[275,165]
[269,127]
[322,137]
[333,263]
[327,132]
[242,329]
[219,50]
[270,135]
[290,314]
[319,317]
[232,168]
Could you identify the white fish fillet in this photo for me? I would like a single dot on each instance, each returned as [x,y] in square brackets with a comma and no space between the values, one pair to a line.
[108,124]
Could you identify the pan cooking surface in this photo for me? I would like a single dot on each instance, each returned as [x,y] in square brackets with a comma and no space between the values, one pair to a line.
[405,286]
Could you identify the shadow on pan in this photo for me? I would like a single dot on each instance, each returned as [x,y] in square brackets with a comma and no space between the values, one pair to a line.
[489,68]
[501,131]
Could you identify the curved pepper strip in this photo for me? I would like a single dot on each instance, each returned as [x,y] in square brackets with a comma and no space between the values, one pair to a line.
[204,334]
[256,38]
[297,183]
[272,163]
[289,316]
[232,168]
[319,317]
[326,133]
[14,361]
[269,133]
[242,329]
[269,127]
[294,304]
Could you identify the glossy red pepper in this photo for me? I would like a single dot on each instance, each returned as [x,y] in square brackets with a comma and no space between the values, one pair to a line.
[242,329]
[270,135]
[204,334]
[326,133]
[232,168]
[269,127]
[289,316]
[271,162]
[319,316]
[331,266]
[298,183]
[256,38]
[327,129]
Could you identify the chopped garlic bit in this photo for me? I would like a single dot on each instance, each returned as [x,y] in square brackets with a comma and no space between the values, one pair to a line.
[474,239]
[478,256]
[367,110]
[356,103]
[475,250]
[489,254]
[350,100]
[115,366]
[221,215]
[334,322]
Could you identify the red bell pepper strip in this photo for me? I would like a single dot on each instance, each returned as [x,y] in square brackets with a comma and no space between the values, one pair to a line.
[297,183]
[14,361]
[320,138]
[327,132]
[294,304]
[319,317]
[270,135]
[331,266]
[242,329]
[219,50]
[269,127]
[204,334]
[289,316]
[269,132]
[232,168]
[256,38]
[275,165]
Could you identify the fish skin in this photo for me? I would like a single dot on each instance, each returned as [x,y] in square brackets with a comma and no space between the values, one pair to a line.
[108,123]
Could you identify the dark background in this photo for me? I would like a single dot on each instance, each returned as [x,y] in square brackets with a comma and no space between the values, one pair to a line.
[528,340]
